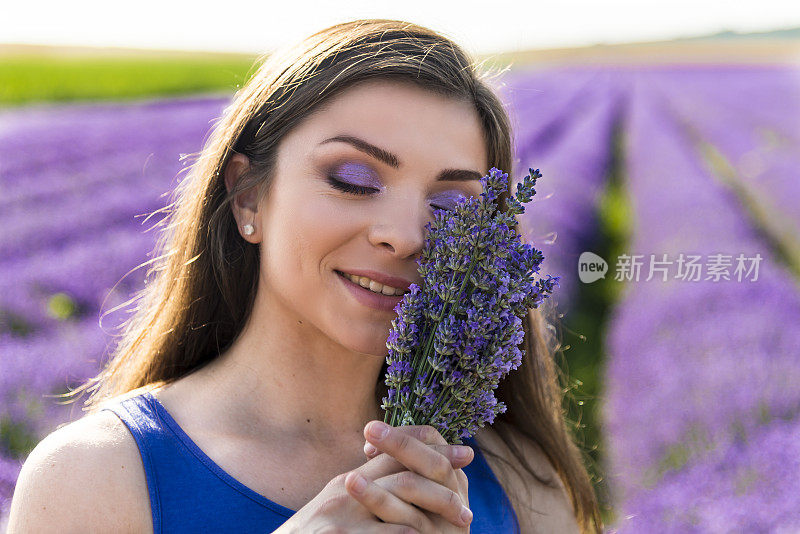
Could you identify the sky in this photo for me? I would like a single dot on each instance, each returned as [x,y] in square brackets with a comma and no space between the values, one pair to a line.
[261,26]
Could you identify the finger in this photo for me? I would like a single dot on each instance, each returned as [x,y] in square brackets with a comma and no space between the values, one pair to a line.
[460,456]
[385,505]
[429,495]
[412,453]
[425,433]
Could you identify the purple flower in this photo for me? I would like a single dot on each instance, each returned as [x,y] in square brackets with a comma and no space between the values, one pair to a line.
[457,335]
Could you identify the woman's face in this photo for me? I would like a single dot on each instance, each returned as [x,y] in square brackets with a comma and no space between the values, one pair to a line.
[309,228]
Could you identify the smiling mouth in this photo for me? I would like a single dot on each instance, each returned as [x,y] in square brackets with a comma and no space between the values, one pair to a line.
[378,290]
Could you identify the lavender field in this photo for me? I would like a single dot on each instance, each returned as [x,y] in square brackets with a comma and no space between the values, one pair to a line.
[691,368]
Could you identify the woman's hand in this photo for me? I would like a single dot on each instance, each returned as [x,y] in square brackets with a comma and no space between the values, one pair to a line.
[378,510]
[429,477]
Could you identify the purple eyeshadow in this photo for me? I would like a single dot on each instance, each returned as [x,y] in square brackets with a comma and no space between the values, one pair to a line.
[357,174]
[449,199]
[362,176]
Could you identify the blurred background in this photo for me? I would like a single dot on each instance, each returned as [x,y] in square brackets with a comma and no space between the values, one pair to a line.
[667,135]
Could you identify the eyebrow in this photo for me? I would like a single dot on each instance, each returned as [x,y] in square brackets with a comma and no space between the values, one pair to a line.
[460,175]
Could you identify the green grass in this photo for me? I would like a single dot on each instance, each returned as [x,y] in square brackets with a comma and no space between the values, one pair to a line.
[36,77]
[32,78]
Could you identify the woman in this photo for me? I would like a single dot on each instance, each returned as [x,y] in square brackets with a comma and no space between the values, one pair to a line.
[244,390]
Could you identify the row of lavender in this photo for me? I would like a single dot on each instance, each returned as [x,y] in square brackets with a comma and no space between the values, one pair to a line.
[702,397]
[573,151]
[75,178]
[76,182]
[753,118]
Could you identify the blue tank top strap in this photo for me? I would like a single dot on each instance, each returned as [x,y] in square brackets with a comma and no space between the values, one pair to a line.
[496,513]
[139,419]
[189,492]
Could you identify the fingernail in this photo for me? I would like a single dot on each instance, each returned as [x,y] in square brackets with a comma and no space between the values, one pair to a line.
[370,449]
[360,484]
[466,514]
[378,430]
[462,453]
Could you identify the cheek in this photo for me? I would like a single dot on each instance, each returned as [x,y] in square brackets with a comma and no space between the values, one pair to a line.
[304,230]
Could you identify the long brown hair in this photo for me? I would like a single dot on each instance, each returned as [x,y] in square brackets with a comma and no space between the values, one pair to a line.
[200,289]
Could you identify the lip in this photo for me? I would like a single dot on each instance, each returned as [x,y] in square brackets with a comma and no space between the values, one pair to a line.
[385,279]
[368,298]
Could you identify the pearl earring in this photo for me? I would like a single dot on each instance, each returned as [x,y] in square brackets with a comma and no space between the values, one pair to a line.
[248,229]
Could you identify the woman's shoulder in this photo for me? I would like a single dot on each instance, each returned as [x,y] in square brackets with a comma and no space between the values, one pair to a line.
[87,476]
[548,509]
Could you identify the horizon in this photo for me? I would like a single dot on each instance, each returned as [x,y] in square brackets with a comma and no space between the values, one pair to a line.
[570,24]
[7,48]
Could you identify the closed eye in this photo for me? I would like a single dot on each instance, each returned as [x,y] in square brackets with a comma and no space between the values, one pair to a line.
[349,188]
[358,189]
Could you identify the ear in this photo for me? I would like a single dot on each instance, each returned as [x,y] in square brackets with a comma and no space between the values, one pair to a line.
[245,204]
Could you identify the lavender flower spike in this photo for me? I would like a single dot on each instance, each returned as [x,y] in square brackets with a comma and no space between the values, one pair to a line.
[458,335]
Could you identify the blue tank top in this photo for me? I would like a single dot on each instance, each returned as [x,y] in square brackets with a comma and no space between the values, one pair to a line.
[191,493]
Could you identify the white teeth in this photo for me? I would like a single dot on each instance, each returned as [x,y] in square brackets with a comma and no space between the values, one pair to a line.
[386,290]
[374,286]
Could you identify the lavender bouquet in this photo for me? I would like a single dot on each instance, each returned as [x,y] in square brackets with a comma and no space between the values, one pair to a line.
[458,335]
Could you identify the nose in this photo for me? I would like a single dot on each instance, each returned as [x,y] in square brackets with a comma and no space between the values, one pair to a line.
[401,229]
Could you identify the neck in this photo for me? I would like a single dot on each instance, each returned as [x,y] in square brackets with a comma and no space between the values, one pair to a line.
[302,396]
